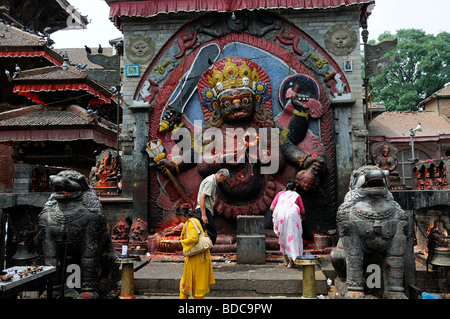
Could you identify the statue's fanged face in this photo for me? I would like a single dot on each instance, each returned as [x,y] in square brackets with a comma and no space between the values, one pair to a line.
[237,104]
[68,185]
[370,180]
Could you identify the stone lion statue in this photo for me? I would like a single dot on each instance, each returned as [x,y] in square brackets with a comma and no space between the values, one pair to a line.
[372,229]
[75,229]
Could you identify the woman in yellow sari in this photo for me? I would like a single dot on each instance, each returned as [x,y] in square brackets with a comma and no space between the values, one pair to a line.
[198,270]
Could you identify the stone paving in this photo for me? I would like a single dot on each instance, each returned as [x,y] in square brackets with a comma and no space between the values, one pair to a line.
[158,278]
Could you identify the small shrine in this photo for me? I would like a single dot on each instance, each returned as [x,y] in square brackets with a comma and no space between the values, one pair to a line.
[431,175]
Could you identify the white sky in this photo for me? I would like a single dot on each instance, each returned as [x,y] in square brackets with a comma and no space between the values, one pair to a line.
[99,31]
[432,16]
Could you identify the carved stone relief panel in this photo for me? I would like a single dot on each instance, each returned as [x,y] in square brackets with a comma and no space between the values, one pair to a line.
[341,39]
[140,49]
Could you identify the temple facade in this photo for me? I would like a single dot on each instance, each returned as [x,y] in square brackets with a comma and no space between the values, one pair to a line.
[180,58]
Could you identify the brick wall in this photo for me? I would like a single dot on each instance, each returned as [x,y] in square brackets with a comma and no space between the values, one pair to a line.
[6,169]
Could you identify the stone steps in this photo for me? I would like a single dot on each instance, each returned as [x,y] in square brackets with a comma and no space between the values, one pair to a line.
[272,279]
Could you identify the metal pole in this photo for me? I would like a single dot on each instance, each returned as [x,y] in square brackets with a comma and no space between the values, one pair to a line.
[127,286]
[3,243]
[365,37]
[127,278]
[309,276]
[118,118]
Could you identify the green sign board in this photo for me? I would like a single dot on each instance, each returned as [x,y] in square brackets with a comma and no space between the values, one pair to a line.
[132,70]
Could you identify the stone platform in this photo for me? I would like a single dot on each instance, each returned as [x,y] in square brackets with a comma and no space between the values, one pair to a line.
[160,277]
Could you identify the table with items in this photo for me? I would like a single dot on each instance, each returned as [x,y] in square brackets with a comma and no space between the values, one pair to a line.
[21,278]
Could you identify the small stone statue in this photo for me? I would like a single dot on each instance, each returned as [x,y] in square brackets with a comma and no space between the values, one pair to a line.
[138,236]
[384,155]
[121,230]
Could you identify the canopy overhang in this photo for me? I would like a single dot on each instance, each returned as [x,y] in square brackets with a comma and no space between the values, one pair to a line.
[151,8]
[30,53]
[30,90]
[59,135]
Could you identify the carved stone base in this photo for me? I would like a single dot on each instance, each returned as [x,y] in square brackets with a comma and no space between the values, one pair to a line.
[341,287]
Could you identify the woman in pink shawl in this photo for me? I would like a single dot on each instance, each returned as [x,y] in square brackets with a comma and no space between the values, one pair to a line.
[288,211]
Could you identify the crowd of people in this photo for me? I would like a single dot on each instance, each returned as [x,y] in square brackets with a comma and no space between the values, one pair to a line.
[288,214]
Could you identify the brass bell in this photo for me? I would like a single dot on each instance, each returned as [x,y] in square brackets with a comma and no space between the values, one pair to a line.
[23,254]
[441,257]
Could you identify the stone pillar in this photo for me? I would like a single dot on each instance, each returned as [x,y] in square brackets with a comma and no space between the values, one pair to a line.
[251,241]
[349,139]
[344,151]
[140,161]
